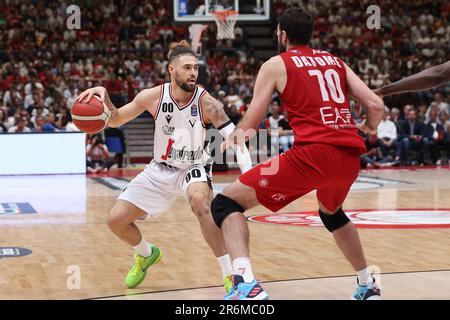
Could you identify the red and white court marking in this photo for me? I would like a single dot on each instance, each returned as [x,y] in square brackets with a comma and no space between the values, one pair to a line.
[367,218]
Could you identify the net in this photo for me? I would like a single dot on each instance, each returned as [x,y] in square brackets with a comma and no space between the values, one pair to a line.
[225,21]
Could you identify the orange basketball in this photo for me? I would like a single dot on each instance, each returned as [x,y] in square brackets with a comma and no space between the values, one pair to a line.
[91,116]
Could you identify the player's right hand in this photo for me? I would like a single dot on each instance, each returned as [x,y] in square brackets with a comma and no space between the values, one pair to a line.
[87,94]
[365,128]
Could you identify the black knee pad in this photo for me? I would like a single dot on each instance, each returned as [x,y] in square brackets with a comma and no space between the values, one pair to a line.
[222,206]
[334,221]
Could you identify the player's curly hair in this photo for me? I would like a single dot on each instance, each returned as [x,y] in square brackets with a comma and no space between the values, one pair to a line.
[298,24]
[179,48]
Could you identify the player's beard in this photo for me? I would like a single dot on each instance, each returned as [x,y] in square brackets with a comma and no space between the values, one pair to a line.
[186,86]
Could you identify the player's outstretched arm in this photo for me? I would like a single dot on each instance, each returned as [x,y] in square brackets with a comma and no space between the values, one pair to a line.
[373,103]
[214,113]
[129,111]
[427,79]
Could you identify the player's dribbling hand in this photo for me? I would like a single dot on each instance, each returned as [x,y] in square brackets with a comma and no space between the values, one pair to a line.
[365,128]
[87,94]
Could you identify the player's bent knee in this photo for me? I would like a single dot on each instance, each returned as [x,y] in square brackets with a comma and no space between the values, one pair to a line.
[334,221]
[116,221]
[222,206]
[114,224]
[199,204]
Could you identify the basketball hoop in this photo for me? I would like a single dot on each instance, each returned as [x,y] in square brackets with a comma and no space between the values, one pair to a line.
[225,21]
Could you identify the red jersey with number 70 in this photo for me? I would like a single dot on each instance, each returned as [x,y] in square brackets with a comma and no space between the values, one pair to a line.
[316,101]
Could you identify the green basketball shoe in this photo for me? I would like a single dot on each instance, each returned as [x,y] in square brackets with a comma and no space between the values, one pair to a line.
[138,271]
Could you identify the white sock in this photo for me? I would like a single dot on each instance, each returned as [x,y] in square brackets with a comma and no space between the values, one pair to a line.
[225,265]
[143,248]
[364,277]
[242,267]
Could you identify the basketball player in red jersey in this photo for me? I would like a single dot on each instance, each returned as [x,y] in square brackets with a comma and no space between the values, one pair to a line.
[314,86]
[180,166]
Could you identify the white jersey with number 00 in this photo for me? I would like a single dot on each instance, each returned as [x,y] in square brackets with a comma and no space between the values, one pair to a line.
[180,131]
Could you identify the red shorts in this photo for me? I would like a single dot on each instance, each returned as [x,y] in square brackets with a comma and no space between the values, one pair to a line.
[328,169]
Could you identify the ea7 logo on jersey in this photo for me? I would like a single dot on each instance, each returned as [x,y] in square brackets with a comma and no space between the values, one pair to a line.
[337,118]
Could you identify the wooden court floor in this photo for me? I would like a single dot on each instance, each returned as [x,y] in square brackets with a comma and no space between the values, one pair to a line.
[403,218]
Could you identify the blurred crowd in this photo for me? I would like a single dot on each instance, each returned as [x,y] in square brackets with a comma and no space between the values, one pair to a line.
[122,45]
[415,136]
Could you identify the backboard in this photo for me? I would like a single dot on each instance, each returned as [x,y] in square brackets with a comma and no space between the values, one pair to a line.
[199,11]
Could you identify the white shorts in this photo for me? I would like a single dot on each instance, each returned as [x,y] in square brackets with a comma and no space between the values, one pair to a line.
[156,188]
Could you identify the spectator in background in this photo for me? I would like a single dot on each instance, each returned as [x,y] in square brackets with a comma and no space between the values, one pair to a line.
[221,96]
[115,89]
[234,115]
[406,109]
[20,127]
[434,106]
[444,120]
[394,116]
[442,105]
[244,107]
[63,117]
[30,100]
[97,156]
[3,118]
[422,112]
[39,124]
[435,134]
[71,127]
[272,124]
[9,96]
[374,157]
[232,97]
[412,139]
[50,123]
[71,93]
[25,115]
[38,103]
[118,150]
[34,84]
[16,105]
[387,136]
[39,111]
[286,133]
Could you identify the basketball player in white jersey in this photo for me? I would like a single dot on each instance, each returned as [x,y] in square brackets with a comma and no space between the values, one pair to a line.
[181,166]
